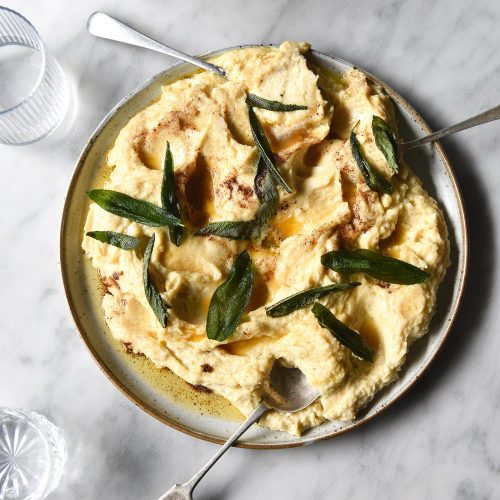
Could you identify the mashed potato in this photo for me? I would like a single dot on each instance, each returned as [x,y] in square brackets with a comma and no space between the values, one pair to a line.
[205,119]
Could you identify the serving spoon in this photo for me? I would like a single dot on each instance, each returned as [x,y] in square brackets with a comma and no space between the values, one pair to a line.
[104,26]
[286,390]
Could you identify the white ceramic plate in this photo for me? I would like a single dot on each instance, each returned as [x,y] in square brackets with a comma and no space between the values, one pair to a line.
[163,395]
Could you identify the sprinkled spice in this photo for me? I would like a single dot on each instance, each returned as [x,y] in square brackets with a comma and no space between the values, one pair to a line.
[200,388]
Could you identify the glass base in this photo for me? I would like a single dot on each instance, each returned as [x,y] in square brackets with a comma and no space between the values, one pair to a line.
[32,455]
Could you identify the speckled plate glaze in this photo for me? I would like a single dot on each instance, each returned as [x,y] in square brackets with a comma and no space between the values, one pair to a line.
[84,295]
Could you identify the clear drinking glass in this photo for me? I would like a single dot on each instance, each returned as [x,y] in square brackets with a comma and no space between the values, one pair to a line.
[32,455]
[34,93]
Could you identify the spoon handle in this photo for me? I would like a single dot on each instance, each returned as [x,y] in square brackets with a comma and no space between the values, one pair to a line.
[104,26]
[484,117]
[184,491]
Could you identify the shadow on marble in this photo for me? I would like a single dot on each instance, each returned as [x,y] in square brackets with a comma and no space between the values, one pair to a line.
[219,495]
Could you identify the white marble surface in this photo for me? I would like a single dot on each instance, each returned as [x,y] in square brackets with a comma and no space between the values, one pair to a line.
[441,440]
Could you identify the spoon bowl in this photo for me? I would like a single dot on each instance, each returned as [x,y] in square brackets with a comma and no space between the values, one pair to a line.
[287,389]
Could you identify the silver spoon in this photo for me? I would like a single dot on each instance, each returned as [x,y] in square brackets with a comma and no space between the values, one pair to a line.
[484,117]
[286,390]
[104,26]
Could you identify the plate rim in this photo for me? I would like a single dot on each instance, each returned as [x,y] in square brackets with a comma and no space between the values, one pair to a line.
[463,271]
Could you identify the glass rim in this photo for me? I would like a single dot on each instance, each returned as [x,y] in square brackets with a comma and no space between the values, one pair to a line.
[37,84]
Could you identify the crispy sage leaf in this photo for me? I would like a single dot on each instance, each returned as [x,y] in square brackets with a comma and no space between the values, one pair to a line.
[168,196]
[230,299]
[260,102]
[375,265]
[130,208]
[265,148]
[375,181]
[268,196]
[305,298]
[347,337]
[385,141]
[152,294]
[232,230]
[119,240]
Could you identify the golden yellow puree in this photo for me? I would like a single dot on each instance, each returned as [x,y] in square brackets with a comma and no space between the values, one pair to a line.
[205,119]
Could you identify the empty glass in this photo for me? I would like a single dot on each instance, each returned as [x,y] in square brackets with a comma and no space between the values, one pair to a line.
[32,455]
[34,93]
